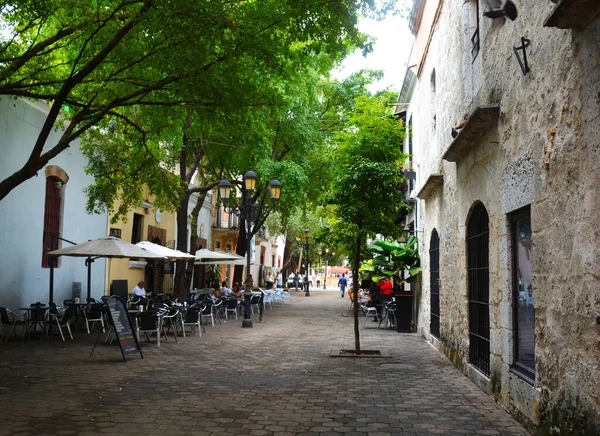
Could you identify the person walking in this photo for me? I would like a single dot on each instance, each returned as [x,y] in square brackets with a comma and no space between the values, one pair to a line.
[342,283]
[297,279]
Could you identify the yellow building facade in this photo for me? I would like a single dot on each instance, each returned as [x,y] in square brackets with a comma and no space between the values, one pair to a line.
[144,223]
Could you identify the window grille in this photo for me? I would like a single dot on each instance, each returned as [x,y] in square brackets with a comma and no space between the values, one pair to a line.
[475,40]
[434,262]
[478,283]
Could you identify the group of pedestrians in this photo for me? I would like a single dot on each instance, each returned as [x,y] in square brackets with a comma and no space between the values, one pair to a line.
[300,281]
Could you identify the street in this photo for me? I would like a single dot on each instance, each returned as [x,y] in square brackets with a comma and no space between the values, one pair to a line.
[275,379]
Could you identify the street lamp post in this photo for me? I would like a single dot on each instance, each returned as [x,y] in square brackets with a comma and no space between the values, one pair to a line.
[326,265]
[306,281]
[250,212]
[319,267]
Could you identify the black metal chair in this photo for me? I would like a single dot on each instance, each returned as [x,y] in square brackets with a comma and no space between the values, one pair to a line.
[169,321]
[206,308]
[231,306]
[93,313]
[218,309]
[255,301]
[369,312]
[36,317]
[148,322]
[61,319]
[9,319]
[193,318]
[136,301]
[388,318]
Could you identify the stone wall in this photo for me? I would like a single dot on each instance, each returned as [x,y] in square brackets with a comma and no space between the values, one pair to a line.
[544,151]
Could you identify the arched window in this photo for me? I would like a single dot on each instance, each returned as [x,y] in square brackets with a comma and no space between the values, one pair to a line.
[479,291]
[434,283]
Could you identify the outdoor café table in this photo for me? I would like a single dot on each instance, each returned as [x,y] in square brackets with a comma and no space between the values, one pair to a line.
[29,311]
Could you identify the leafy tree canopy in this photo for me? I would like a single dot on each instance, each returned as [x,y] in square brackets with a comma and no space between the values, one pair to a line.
[368,168]
[91,59]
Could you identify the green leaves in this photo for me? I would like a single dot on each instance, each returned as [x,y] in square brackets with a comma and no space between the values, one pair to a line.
[104,58]
[392,259]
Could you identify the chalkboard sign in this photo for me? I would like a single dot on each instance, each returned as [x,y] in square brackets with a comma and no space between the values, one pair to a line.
[122,325]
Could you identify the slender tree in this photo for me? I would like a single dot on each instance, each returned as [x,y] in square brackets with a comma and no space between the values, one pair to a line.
[368,169]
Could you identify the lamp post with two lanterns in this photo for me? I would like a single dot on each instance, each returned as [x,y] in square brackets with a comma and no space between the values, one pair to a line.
[250,213]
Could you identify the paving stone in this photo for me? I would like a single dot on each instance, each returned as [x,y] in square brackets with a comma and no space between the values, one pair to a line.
[274,379]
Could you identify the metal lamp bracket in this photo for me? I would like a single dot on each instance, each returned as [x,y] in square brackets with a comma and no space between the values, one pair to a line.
[523,62]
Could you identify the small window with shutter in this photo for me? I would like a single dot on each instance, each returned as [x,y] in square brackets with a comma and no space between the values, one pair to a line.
[52,218]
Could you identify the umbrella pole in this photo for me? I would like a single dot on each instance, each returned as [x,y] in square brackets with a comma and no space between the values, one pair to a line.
[51,290]
[88,263]
[107,291]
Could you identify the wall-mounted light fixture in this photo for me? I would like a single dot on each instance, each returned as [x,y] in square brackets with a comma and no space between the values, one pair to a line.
[523,62]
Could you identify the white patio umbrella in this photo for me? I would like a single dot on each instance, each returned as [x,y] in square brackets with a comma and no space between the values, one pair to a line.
[169,253]
[108,247]
[205,256]
[237,260]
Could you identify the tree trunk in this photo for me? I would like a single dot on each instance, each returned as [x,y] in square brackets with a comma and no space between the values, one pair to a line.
[287,256]
[189,270]
[179,281]
[355,279]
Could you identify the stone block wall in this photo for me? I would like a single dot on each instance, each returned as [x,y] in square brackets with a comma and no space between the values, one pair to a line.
[544,151]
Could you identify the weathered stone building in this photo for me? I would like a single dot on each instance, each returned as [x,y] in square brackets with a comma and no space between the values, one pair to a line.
[508,211]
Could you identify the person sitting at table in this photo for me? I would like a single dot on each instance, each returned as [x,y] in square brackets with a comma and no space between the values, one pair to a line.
[373,293]
[361,295]
[140,290]
[216,293]
[225,290]
[382,293]
[385,287]
[237,293]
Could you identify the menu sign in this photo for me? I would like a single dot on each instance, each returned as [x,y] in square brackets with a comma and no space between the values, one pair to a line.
[123,326]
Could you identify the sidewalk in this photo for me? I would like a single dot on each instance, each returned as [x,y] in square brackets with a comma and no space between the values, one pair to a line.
[274,379]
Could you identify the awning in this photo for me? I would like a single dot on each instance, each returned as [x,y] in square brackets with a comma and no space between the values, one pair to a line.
[338,270]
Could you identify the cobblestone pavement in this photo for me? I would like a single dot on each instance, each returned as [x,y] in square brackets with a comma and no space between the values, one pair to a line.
[274,379]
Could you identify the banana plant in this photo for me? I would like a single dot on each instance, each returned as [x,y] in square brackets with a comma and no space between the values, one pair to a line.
[391,260]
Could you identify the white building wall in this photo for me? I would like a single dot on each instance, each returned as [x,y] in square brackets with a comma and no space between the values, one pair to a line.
[23,281]
[543,151]
[204,218]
